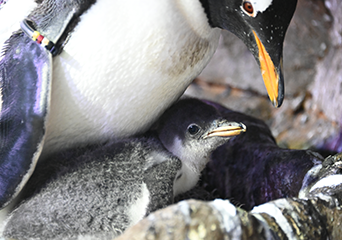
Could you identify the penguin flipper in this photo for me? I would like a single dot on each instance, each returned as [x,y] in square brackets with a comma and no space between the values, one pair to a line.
[25,78]
[160,182]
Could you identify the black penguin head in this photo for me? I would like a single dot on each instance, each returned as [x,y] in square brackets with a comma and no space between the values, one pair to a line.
[261,25]
[192,130]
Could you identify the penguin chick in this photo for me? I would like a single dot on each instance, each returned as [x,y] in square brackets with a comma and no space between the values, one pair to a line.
[101,190]
[97,191]
[192,130]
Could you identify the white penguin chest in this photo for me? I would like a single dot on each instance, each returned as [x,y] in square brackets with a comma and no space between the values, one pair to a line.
[125,63]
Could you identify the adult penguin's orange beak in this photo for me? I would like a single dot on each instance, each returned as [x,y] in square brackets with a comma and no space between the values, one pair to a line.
[272,75]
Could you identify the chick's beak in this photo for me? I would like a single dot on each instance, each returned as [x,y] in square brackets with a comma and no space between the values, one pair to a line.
[226,129]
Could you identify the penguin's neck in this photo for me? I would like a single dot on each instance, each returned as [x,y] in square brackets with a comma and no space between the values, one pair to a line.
[185,180]
[193,162]
[194,158]
[118,73]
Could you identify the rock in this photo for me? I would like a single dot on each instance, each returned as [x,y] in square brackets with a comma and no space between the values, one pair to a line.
[193,219]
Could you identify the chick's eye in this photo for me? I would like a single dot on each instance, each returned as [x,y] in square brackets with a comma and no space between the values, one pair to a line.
[193,129]
[248,7]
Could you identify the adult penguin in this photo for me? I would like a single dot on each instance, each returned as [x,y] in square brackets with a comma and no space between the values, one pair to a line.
[117,66]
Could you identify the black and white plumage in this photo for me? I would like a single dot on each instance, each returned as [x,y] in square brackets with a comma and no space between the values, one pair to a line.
[101,190]
[121,64]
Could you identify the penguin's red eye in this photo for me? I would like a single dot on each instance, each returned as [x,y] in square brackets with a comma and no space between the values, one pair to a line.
[248,7]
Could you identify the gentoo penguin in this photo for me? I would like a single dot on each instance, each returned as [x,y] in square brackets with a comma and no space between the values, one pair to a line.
[100,190]
[84,71]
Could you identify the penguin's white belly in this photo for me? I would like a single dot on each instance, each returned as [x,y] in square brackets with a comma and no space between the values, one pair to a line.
[116,75]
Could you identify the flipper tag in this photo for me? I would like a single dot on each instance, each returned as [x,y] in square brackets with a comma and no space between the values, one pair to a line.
[29,30]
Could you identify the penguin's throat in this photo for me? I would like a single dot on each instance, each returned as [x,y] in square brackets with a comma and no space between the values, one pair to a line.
[194,159]
[185,180]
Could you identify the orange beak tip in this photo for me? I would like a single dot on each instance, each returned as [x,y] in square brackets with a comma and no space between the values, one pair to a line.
[269,74]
